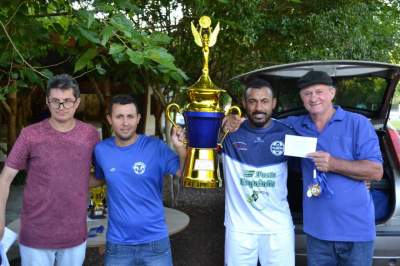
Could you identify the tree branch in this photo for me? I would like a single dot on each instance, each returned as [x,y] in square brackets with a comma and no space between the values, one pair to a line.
[60,14]
[98,91]
[6,107]
[55,64]
[84,73]
[18,52]
[159,96]
[13,15]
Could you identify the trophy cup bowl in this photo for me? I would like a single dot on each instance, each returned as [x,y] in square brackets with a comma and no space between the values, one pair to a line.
[204,99]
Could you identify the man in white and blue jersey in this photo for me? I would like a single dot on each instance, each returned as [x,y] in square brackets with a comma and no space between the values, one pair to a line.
[133,166]
[258,222]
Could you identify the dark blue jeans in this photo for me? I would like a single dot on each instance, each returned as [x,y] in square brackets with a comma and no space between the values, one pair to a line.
[156,253]
[338,253]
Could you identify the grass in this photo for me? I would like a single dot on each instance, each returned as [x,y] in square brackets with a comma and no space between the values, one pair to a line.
[395,124]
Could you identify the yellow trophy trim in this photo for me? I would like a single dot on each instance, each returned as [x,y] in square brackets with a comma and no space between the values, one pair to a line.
[239,112]
[204,95]
[168,112]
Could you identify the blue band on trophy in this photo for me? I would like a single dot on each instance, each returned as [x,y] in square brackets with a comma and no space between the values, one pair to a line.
[203,128]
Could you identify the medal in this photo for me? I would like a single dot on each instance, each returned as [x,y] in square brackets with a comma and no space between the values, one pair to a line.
[318,185]
[315,190]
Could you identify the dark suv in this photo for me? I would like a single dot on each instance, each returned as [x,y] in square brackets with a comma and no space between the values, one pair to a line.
[366,88]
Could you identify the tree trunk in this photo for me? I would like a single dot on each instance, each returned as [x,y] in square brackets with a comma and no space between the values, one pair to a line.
[12,120]
[106,128]
[142,102]
[24,111]
[104,99]
[157,111]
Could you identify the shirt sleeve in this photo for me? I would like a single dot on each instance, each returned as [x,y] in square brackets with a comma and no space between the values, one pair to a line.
[367,142]
[98,171]
[289,121]
[20,152]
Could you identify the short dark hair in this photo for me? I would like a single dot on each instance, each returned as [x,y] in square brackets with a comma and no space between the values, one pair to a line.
[257,83]
[122,99]
[63,82]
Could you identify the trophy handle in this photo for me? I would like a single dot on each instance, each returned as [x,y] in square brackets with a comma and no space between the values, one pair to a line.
[234,107]
[168,111]
[239,112]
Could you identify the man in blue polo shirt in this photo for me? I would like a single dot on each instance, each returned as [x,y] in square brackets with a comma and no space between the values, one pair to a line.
[339,213]
[133,165]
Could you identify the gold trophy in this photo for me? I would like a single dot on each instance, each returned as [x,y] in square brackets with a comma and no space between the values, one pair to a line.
[203,117]
[97,198]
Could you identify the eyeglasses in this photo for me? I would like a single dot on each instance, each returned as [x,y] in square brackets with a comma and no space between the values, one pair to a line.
[55,104]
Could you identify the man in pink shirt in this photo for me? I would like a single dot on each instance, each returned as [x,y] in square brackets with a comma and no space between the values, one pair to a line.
[57,155]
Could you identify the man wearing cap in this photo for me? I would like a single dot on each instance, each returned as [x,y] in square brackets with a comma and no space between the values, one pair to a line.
[338,211]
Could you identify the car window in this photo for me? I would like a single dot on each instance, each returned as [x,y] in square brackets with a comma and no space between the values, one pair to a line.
[364,93]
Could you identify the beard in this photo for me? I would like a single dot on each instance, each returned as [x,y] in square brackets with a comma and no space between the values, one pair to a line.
[258,122]
[126,137]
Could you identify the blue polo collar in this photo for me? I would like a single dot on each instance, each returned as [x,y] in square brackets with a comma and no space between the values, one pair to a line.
[337,116]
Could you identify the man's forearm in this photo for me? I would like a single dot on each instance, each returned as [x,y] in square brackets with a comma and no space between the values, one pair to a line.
[182,157]
[4,192]
[3,200]
[361,170]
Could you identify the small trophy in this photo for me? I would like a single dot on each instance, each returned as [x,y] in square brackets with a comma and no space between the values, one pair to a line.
[97,202]
[203,117]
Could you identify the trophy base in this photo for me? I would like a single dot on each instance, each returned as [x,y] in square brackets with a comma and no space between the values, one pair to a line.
[198,184]
[201,169]
[97,215]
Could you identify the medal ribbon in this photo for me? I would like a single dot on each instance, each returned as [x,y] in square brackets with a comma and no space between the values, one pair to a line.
[318,185]
[323,182]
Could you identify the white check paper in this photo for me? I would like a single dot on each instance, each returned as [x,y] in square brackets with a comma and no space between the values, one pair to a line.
[298,146]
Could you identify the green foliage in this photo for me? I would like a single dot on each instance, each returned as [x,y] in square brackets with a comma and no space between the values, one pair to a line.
[396,99]
[20,65]
[86,59]
[95,37]
[341,30]
[363,93]
[149,43]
